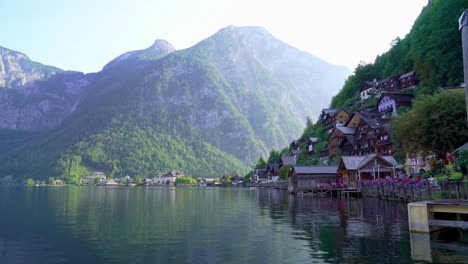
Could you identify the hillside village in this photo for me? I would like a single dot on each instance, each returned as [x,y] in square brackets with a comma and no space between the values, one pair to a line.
[353,146]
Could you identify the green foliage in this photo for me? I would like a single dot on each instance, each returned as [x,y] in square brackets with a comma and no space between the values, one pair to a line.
[462,160]
[261,163]
[284,172]
[30,182]
[275,157]
[184,180]
[138,180]
[51,181]
[456,176]
[97,180]
[247,177]
[334,160]
[436,124]
[227,180]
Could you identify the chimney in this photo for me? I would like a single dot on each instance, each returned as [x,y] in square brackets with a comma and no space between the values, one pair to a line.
[463,26]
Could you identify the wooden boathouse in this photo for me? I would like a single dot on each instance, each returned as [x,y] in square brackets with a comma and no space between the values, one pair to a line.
[312,178]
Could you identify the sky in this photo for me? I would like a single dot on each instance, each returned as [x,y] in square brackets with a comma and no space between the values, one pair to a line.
[84,35]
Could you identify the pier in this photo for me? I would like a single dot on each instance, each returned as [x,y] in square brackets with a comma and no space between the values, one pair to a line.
[430,216]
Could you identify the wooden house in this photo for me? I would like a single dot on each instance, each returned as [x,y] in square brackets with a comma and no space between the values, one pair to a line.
[384,143]
[285,160]
[391,83]
[355,168]
[408,80]
[260,175]
[390,102]
[347,146]
[355,118]
[368,89]
[366,134]
[272,170]
[335,119]
[336,137]
[311,177]
[311,146]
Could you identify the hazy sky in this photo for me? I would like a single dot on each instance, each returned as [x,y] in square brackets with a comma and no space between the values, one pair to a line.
[84,35]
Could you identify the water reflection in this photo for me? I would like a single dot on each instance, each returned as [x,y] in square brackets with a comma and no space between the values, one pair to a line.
[206,225]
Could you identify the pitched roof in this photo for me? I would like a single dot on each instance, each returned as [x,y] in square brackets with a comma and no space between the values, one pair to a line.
[288,160]
[401,98]
[357,162]
[329,111]
[349,138]
[313,139]
[262,173]
[462,147]
[407,74]
[316,169]
[389,78]
[347,130]
[337,111]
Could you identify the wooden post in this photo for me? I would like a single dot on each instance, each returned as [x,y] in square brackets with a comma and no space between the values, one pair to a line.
[463,26]
[418,217]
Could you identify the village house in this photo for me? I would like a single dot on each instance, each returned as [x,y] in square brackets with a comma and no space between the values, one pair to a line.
[335,118]
[347,146]
[391,83]
[368,89]
[384,143]
[93,177]
[303,178]
[390,102]
[272,170]
[324,155]
[416,165]
[336,137]
[58,181]
[285,160]
[355,168]
[167,178]
[259,175]
[408,80]
[366,134]
[311,146]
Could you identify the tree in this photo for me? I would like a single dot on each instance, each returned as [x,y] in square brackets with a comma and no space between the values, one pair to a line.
[97,180]
[275,156]
[261,163]
[436,124]
[284,172]
[30,182]
[138,180]
[51,181]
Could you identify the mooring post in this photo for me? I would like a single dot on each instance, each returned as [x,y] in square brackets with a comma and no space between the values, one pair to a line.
[463,26]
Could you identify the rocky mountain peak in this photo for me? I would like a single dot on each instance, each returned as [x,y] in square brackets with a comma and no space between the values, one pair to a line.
[16,69]
[159,49]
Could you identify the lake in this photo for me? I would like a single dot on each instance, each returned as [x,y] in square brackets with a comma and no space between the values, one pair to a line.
[75,224]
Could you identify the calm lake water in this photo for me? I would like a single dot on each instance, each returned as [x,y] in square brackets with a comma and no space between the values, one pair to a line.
[209,225]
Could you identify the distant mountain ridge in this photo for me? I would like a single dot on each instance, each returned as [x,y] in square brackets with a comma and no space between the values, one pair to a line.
[240,93]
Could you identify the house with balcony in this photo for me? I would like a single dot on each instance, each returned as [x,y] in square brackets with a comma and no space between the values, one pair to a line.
[335,118]
[409,80]
[368,89]
[390,84]
[389,103]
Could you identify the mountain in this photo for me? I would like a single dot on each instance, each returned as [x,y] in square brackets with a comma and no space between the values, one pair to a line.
[17,70]
[202,110]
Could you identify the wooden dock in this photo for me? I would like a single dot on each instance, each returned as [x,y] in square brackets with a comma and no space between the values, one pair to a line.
[330,192]
[430,216]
